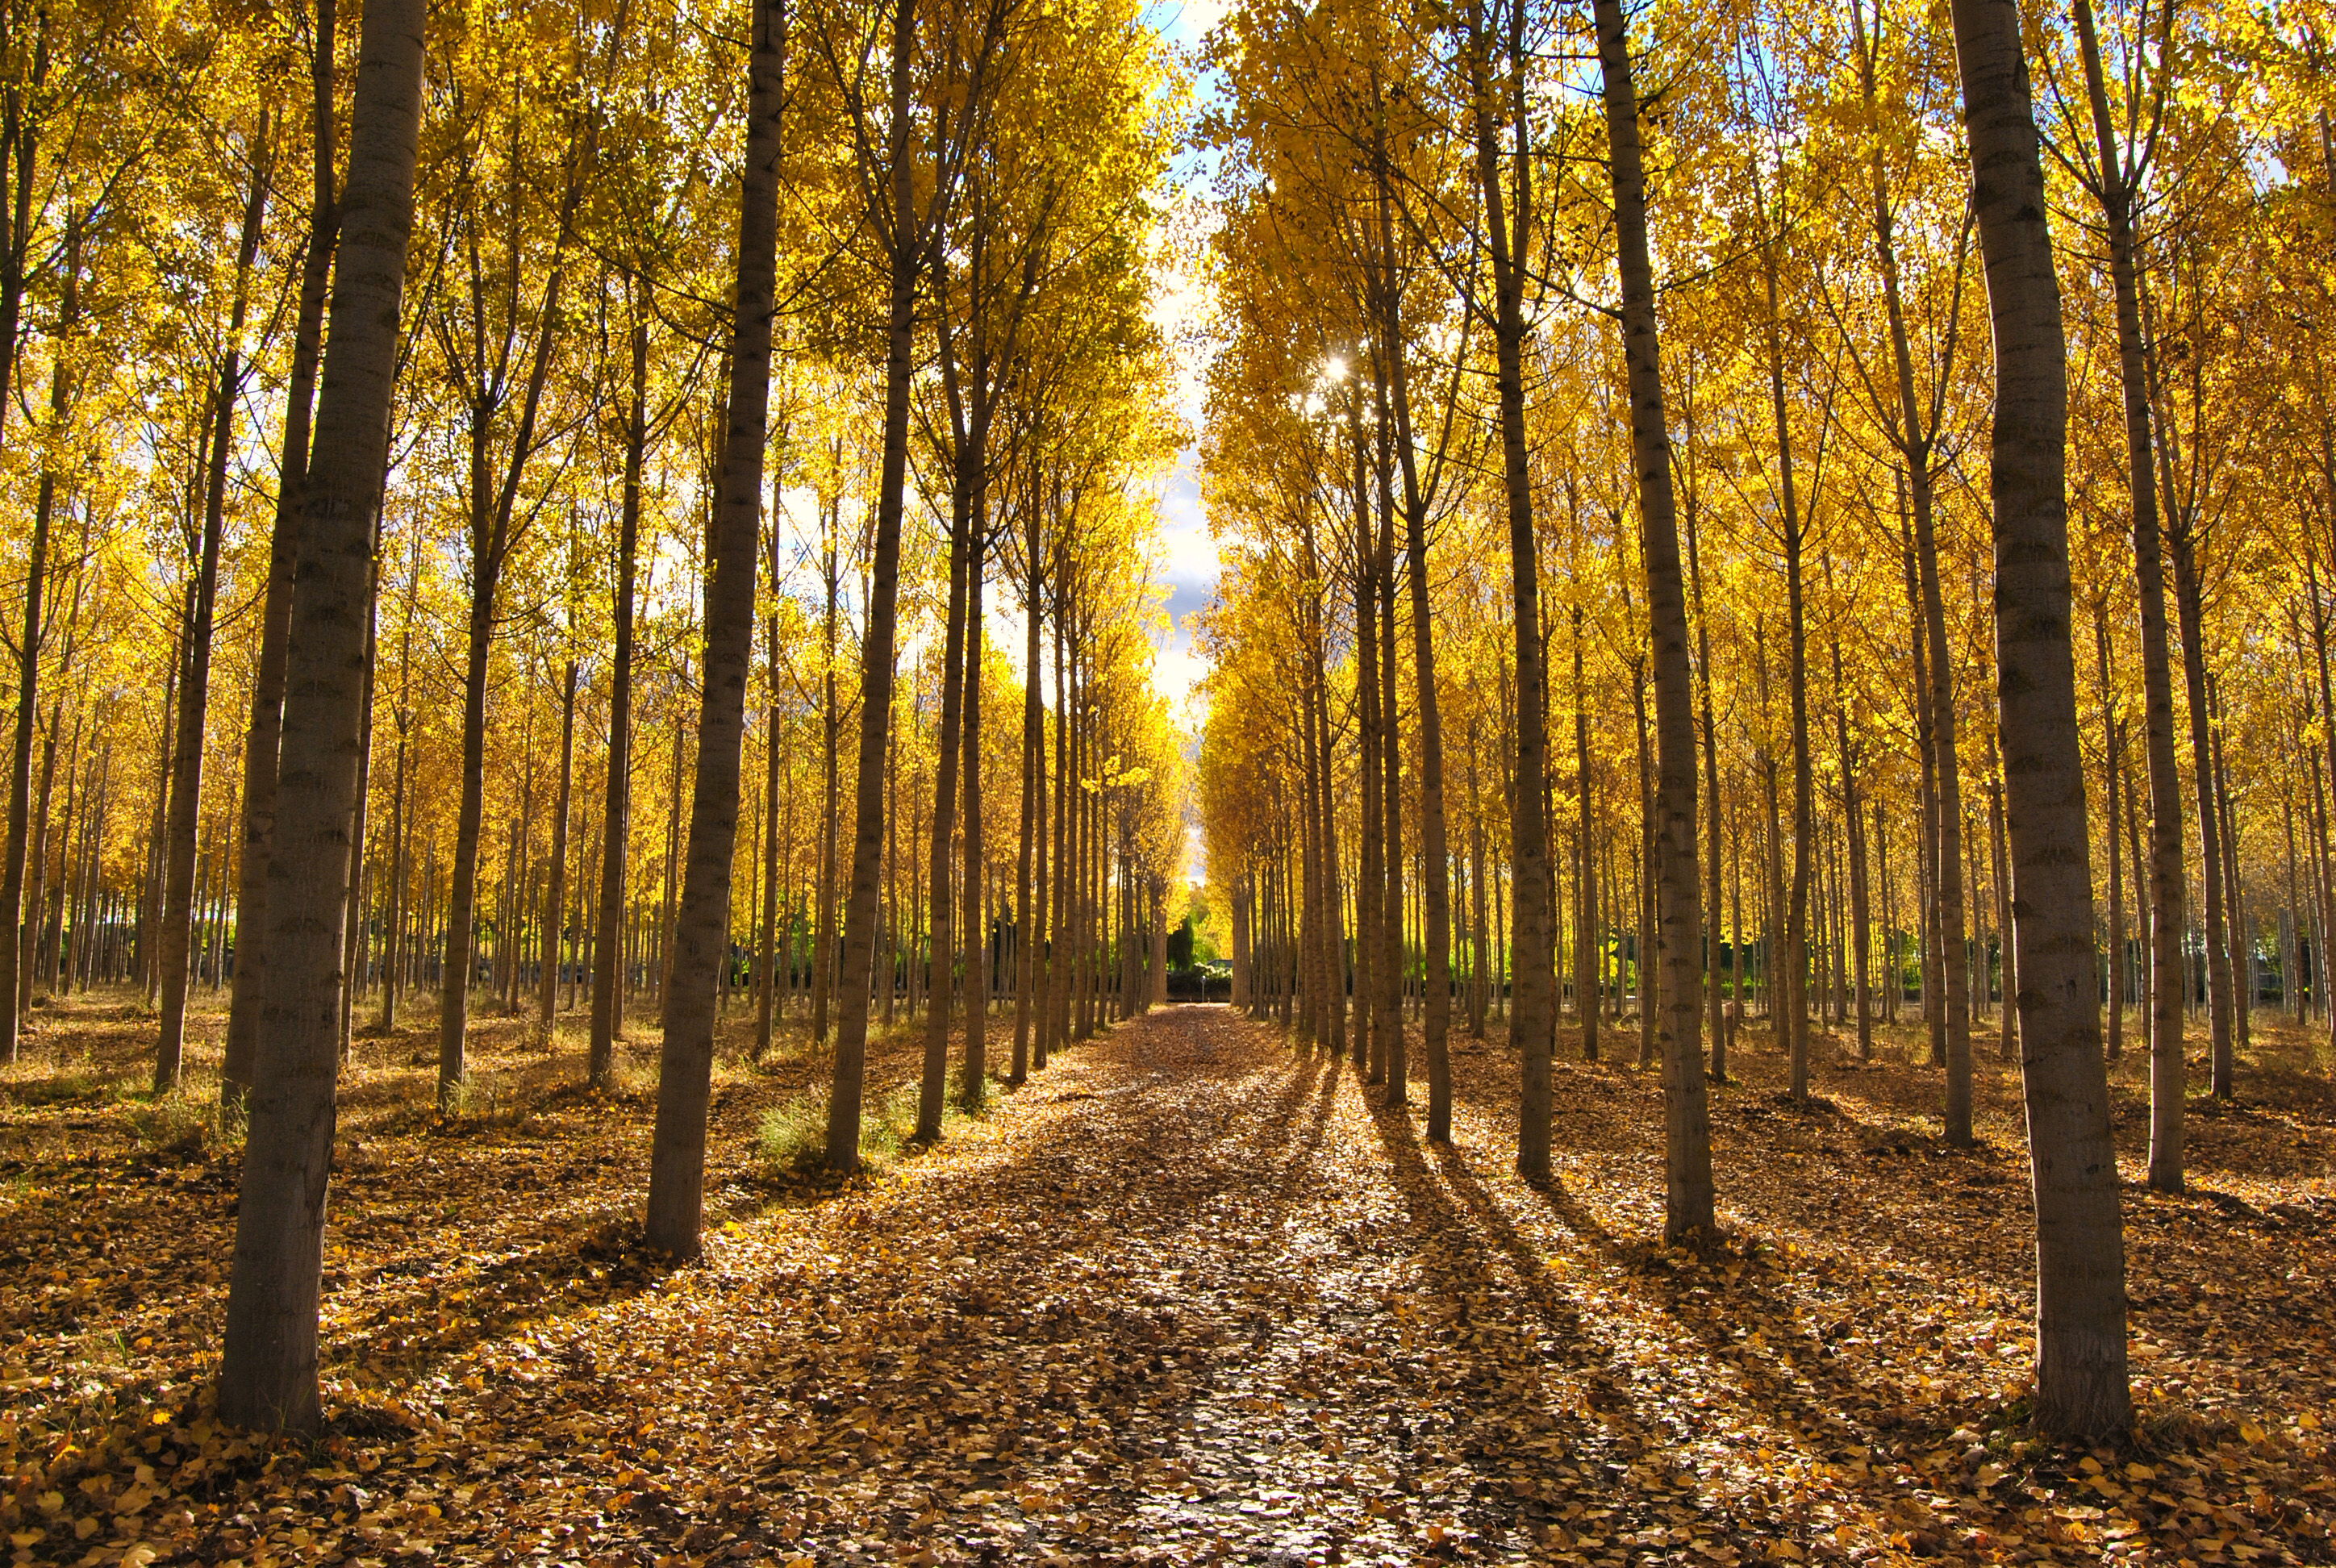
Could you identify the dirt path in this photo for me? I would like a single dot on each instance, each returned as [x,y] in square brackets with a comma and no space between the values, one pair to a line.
[1170,1304]
[1175,1302]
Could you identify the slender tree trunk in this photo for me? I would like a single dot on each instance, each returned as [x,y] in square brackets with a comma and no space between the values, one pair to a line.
[1387,1043]
[1915,438]
[1646,856]
[1793,961]
[1688,1214]
[268,1377]
[1052,1029]
[974,1085]
[455,980]
[617,809]
[2112,772]
[195,680]
[1031,860]
[1507,198]
[702,923]
[773,781]
[1370,778]
[1318,940]
[2241,946]
[28,681]
[1860,933]
[1480,960]
[1325,832]
[2007,1015]
[28,954]
[675,774]
[1588,946]
[353,957]
[264,737]
[397,958]
[2081,1391]
[940,894]
[822,958]
[2167,890]
[555,896]
[1721,1017]
[1435,889]
[2189,608]
[877,643]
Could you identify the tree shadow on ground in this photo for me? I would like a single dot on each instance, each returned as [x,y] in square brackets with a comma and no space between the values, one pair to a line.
[1707,1362]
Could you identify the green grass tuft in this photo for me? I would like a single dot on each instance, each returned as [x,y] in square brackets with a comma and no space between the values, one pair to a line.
[185,1126]
[793,1133]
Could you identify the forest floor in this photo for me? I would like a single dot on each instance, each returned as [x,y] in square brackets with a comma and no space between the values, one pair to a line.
[1191,1295]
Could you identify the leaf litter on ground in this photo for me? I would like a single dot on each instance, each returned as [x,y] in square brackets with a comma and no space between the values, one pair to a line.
[1189,1295]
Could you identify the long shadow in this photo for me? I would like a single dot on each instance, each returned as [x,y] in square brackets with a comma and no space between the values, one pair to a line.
[1978,1227]
[562,1241]
[608,1256]
[1598,1437]
[601,1253]
[1824,1394]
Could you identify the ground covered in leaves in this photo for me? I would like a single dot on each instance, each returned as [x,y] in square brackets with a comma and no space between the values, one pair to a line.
[1189,1296]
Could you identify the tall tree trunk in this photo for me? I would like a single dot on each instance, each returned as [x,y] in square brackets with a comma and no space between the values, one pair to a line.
[1794,959]
[1915,436]
[555,894]
[974,1085]
[2008,956]
[1588,946]
[702,923]
[940,893]
[195,680]
[2189,611]
[1648,856]
[1031,865]
[2242,949]
[823,956]
[2081,1391]
[1687,1215]
[264,736]
[352,955]
[2168,879]
[1721,1017]
[1480,958]
[267,1376]
[491,504]
[461,913]
[1320,961]
[876,646]
[1435,892]
[1508,202]
[12,923]
[1370,778]
[1387,1044]
[617,809]
[1051,1025]
[768,961]
[1860,923]
[2112,772]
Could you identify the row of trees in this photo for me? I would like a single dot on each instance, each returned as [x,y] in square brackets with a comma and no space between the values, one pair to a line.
[605,503]
[1653,528]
